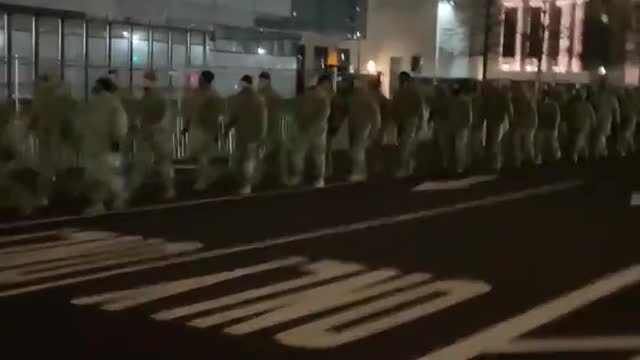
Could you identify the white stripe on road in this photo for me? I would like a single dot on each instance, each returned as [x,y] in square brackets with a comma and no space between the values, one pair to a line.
[577,344]
[26,223]
[501,334]
[342,229]
[454,184]
[13,238]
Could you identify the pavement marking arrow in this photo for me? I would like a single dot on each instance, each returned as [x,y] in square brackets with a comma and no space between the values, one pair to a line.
[635,199]
[454,184]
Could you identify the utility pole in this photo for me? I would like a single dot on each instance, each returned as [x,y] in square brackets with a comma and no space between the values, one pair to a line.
[487,34]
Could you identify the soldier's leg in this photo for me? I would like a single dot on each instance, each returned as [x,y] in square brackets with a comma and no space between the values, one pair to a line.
[600,145]
[247,158]
[518,144]
[476,145]
[405,144]
[461,146]
[142,165]
[494,144]
[530,147]
[299,148]
[555,145]
[200,151]
[444,145]
[163,159]
[14,194]
[97,183]
[358,157]
[47,170]
[542,143]
[318,150]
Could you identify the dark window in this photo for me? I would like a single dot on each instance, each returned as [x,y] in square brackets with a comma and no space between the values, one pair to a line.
[555,19]
[344,58]
[320,56]
[536,36]
[510,29]
[416,64]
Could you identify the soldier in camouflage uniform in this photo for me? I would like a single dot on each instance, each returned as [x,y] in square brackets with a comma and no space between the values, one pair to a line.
[153,145]
[248,116]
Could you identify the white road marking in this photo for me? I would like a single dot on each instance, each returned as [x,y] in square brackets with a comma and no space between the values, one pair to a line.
[577,344]
[342,229]
[454,184]
[322,333]
[121,300]
[319,272]
[635,199]
[167,206]
[152,249]
[351,301]
[21,237]
[503,333]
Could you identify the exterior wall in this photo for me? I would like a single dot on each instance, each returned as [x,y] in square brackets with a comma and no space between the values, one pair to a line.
[177,54]
[401,29]
[172,12]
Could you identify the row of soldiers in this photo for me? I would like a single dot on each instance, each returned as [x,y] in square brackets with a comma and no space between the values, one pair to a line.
[487,123]
[468,126]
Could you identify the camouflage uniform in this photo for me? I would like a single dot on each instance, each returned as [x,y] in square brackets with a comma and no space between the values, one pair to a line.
[407,109]
[364,124]
[607,113]
[51,117]
[248,116]
[311,116]
[547,133]
[153,145]
[104,132]
[203,110]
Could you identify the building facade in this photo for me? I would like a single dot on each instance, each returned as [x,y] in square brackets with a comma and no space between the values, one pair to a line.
[571,39]
[81,40]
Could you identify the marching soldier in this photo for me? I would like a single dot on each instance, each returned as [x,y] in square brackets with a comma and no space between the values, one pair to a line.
[364,124]
[311,115]
[582,125]
[248,116]
[154,139]
[104,131]
[202,110]
[548,124]
[276,146]
[525,125]
[407,108]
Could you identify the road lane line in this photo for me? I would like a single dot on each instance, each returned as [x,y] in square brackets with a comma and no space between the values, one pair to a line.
[389,220]
[572,344]
[167,206]
[21,237]
[503,333]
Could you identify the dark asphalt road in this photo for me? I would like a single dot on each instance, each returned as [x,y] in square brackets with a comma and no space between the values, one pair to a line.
[549,256]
